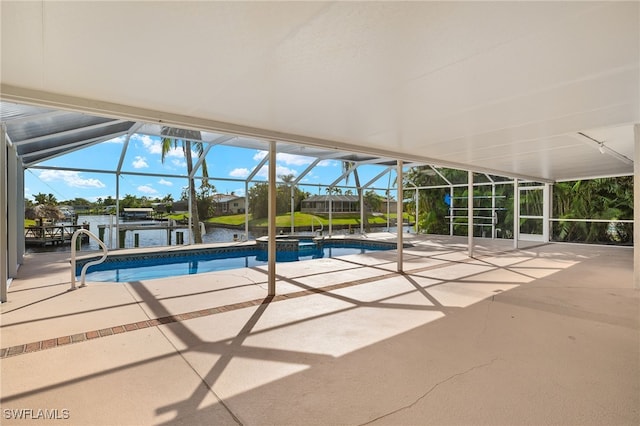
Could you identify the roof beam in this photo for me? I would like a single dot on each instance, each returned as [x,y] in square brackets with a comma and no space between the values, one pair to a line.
[344,175]
[217,141]
[307,170]
[108,109]
[378,176]
[257,168]
[125,146]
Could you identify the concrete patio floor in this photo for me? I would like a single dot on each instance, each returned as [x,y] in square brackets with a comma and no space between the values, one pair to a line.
[548,334]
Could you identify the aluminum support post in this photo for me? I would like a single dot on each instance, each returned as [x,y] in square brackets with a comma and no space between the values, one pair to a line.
[470,213]
[12,212]
[246,210]
[636,209]
[546,206]
[21,238]
[293,213]
[3,215]
[399,211]
[117,211]
[272,220]
[362,212]
[516,213]
[330,213]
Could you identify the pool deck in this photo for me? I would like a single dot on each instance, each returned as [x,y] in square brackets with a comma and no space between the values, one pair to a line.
[548,334]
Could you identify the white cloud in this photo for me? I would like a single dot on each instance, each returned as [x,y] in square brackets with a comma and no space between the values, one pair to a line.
[294,160]
[147,189]
[241,172]
[140,163]
[71,178]
[165,182]
[179,163]
[153,146]
[280,170]
[260,155]
[118,140]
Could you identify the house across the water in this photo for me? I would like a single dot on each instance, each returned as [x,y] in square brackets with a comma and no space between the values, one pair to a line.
[319,204]
[137,213]
[228,204]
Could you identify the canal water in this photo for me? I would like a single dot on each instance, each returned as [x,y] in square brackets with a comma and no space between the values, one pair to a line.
[150,237]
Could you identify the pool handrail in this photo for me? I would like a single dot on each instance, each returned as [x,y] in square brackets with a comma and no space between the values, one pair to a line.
[319,221]
[83,273]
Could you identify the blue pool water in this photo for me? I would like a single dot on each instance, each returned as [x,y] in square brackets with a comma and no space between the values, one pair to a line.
[170,264]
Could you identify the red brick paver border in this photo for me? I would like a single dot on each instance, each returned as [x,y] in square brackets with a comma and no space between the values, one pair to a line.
[126,328]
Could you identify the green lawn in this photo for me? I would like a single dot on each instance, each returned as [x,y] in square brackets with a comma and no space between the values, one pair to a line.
[300,219]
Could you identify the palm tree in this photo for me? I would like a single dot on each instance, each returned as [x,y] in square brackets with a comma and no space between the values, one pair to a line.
[287,179]
[349,167]
[45,198]
[172,138]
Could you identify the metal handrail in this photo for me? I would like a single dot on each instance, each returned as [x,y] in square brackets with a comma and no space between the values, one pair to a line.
[319,221]
[83,273]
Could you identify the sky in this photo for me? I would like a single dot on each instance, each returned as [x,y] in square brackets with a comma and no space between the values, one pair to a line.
[143,155]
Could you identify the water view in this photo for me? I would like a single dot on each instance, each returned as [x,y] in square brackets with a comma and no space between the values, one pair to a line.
[156,237]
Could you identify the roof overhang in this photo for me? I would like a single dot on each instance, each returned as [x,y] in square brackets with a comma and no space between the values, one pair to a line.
[524,89]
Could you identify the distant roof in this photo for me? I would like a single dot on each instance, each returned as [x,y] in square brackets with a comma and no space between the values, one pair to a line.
[138,209]
[336,197]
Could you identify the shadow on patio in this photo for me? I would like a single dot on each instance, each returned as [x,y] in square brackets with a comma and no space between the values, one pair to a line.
[548,334]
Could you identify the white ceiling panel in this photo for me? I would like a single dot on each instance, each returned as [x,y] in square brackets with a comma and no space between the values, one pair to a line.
[504,86]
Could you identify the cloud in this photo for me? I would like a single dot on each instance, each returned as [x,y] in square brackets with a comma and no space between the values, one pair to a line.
[71,178]
[280,170]
[118,140]
[241,172]
[294,160]
[165,182]
[288,159]
[147,189]
[179,163]
[153,146]
[140,163]
[260,155]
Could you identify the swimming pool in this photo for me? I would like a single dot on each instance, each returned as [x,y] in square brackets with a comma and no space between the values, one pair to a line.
[144,266]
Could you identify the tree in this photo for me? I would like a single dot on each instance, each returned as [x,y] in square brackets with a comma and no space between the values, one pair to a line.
[259,199]
[373,200]
[298,195]
[45,199]
[433,210]
[172,138]
[605,199]
[287,179]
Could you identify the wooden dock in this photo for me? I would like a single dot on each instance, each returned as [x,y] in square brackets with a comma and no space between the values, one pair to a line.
[52,234]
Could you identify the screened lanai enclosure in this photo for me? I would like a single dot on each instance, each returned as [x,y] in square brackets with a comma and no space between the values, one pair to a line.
[490,122]
[435,199]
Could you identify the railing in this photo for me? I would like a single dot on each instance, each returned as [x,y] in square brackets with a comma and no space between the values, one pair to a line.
[83,273]
[319,221]
[592,231]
